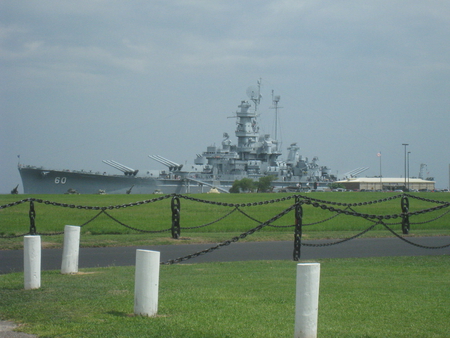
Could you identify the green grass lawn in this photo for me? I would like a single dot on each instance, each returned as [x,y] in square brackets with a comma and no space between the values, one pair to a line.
[373,297]
[364,297]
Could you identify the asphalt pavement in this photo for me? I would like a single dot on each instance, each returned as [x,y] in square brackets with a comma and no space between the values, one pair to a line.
[12,260]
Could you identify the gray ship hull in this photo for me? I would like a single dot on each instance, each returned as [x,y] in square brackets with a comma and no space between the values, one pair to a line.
[42,181]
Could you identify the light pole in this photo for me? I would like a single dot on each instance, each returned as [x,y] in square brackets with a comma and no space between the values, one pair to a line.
[405,145]
[408,169]
[381,183]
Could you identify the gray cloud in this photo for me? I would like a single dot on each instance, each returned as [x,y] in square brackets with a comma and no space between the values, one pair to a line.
[90,80]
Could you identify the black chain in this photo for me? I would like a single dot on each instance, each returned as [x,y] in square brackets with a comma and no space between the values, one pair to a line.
[32,215]
[176,206]
[415,244]
[405,216]
[228,242]
[132,228]
[257,221]
[350,213]
[426,199]
[14,236]
[343,240]
[349,204]
[15,203]
[433,219]
[210,223]
[298,229]
[93,218]
[277,200]
[324,205]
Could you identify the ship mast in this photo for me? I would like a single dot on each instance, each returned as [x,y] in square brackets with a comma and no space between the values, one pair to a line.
[275,100]
[254,93]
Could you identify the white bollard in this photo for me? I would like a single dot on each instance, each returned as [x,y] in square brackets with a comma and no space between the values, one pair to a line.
[71,249]
[146,282]
[32,262]
[307,300]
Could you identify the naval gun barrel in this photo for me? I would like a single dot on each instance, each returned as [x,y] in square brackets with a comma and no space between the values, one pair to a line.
[174,164]
[157,159]
[112,164]
[168,163]
[355,172]
[126,170]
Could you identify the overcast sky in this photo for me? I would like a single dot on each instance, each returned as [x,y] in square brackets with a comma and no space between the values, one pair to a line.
[89,80]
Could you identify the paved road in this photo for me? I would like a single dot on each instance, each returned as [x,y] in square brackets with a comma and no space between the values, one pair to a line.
[12,260]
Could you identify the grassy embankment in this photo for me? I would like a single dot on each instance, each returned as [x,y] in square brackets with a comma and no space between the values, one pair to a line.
[103,231]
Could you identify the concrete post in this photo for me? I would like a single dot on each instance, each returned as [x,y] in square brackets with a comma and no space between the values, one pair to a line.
[32,262]
[307,300]
[146,282]
[71,249]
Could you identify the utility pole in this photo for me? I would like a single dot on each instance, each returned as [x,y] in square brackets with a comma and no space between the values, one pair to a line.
[405,145]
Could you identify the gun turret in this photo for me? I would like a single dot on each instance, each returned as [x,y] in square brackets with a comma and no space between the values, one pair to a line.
[168,163]
[15,191]
[126,170]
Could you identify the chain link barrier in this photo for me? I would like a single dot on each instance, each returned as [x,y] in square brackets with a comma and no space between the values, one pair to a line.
[210,223]
[300,200]
[298,229]
[405,216]
[342,240]
[32,215]
[176,207]
[412,243]
[132,228]
[228,242]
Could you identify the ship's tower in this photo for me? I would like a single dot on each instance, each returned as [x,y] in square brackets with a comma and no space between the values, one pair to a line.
[246,130]
[252,146]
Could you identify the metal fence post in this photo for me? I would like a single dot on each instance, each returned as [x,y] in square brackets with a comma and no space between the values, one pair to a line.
[175,217]
[298,228]
[32,215]
[405,216]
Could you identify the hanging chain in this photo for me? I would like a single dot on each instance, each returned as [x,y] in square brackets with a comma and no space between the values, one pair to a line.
[175,217]
[32,215]
[405,215]
[298,229]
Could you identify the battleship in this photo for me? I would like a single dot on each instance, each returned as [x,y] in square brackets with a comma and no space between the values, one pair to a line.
[253,156]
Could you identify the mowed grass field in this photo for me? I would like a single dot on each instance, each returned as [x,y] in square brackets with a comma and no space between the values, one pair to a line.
[402,297]
[223,221]
[361,297]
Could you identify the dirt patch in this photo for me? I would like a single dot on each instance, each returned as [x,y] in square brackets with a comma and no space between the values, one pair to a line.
[6,330]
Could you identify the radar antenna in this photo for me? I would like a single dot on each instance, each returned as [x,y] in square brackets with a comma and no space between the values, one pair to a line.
[275,100]
[254,94]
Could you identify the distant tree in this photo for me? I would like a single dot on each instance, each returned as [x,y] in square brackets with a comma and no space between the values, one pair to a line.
[336,186]
[265,183]
[235,189]
[247,185]
[243,185]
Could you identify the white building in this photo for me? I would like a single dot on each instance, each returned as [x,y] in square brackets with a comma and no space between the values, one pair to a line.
[386,183]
